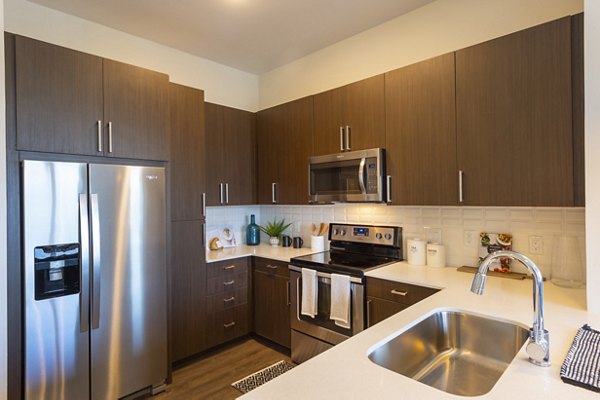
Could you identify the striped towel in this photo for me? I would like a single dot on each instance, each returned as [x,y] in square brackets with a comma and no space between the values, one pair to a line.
[582,365]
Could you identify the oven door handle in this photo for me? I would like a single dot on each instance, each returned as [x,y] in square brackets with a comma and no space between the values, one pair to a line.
[325,275]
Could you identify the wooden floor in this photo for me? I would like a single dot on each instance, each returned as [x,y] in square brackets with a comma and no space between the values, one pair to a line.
[211,377]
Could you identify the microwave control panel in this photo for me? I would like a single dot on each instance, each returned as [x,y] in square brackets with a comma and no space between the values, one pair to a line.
[371,167]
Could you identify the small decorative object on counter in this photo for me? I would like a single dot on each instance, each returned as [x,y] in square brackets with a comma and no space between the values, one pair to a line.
[274,230]
[297,242]
[491,242]
[416,251]
[317,243]
[436,255]
[252,233]
[218,237]
[286,241]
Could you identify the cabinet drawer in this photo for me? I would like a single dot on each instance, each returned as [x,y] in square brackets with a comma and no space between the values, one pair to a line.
[226,268]
[269,266]
[226,325]
[229,299]
[380,309]
[397,291]
[221,284]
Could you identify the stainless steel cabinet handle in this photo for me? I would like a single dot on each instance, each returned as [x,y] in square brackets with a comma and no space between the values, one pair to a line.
[227,193]
[99,131]
[232,266]
[204,205]
[84,298]
[96,262]
[348,137]
[232,298]
[271,266]
[399,293]
[460,186]
[369,313]
[341,138]
[220,193]
[273,190]
[229,325]
[289,299]
[389,189]
[110,141]
[229,283]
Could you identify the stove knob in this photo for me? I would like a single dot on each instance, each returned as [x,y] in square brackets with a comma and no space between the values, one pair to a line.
[342,233]
[388,236]
[378,235]
[335,232]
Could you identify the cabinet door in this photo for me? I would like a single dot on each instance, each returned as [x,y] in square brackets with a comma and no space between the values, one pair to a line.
[239,154]
[271,307]
[135,112]
[421,133]
[186,152]
[188,279]
[59,98]
[364,113]
[328,122]
[514,116]
[380,309]
[269,140]
[215,143]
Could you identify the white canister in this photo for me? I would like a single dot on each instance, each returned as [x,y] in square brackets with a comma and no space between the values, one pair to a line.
[317,243]
[416,251]
[436,255]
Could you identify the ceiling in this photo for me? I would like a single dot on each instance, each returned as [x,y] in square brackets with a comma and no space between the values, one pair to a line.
[251,35]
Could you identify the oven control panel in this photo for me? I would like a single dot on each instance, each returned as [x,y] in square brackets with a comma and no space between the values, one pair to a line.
[382,235]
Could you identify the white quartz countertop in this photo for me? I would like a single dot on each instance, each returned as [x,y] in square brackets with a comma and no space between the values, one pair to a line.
[345,372]
[262,250]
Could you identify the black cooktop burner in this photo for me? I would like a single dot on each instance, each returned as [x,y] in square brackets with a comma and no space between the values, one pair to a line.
[355,264]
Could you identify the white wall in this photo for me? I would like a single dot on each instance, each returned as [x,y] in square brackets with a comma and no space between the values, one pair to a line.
[437,28]
[222,84]
[592,149]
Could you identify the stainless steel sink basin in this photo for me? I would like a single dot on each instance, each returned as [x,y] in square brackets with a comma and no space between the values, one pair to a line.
[454,351]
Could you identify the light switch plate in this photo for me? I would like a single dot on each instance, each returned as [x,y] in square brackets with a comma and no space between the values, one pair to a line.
[536,245]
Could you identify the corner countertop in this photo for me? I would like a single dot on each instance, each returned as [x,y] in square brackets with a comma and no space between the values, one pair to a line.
[262,250]
[345,372]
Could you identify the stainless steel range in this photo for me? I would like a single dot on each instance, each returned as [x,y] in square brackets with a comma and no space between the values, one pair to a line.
[354,250]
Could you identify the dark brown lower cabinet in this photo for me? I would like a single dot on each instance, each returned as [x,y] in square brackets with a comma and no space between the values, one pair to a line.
[271,280]
[386,298]
[227,315]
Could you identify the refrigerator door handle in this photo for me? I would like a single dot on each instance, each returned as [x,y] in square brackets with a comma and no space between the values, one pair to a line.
[84,234]
[96,262]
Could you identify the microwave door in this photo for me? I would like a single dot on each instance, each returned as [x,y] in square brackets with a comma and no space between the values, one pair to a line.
[334,181]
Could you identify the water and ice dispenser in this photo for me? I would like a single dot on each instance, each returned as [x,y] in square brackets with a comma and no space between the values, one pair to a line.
[57,270]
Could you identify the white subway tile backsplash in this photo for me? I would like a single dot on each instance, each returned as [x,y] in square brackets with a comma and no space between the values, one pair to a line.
[450,223]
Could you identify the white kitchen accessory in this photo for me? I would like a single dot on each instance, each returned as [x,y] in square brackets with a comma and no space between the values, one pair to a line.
[567,262]
[416,251]
[317,243]
[436,255]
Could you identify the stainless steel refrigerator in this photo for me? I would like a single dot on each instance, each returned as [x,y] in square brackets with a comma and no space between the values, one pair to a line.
[94,254]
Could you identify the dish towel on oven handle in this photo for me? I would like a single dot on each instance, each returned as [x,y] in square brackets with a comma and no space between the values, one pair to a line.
[582,364]
[340,300]
[310,292]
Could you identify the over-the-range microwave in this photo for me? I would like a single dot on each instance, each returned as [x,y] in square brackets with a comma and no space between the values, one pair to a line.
[353,176]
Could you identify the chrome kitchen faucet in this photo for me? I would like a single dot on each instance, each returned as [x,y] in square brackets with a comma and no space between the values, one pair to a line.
[538,347]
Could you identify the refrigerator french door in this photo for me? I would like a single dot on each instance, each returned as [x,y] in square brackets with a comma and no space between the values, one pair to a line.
[94,251]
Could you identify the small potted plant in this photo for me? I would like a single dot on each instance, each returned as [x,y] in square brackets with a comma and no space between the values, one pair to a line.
[274,230]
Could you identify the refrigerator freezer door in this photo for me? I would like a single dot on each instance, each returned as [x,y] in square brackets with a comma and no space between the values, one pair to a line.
[56,341]
[129,344]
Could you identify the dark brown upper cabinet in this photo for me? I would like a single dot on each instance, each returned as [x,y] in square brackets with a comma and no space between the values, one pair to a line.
[351,117]
[187,146]
[284,143]
[230,156]
[421,133]
[514,118]
[75,103]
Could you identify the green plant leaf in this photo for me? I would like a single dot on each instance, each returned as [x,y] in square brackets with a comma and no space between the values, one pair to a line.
[275,228]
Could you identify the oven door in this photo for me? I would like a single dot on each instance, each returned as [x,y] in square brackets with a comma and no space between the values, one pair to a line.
[321,327]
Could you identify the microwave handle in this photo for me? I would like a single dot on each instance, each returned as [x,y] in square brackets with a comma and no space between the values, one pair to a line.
[361,175]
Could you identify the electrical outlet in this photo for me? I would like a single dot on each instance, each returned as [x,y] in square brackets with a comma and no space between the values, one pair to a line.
[536,245]
[469,238]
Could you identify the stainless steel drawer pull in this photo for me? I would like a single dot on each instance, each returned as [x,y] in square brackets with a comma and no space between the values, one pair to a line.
[232,298]
[348,138]
[341,138]
[110,140]
[272,266]
[461,197]
[229,267]
[399,293]
[231,282]
[229,325]
[99,129]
